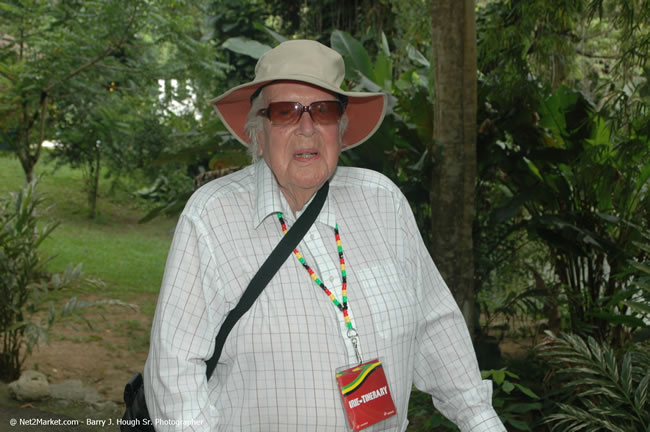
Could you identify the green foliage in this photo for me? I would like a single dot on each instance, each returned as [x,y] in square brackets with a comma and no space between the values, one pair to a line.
[528,36]
[575,42]
[637,296]
[604,390]
[627,310]
[23,280]
[579,188]
[49,45]
[315,19]
[563,172]
[625,18]
[61,62]
[232,22]
[123,134]
[514,402]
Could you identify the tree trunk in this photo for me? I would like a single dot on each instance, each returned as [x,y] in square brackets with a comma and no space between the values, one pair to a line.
[28,165]
[21,144]
[93,183]
[454,153]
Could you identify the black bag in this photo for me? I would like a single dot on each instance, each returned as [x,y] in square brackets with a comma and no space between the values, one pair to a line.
[136,417]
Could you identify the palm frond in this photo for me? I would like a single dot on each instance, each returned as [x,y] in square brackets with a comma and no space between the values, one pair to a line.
[610,391]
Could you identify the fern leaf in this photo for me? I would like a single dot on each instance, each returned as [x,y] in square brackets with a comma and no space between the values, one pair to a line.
[596,350]
[611,364]
[626,374]
[609,393]
[641,395]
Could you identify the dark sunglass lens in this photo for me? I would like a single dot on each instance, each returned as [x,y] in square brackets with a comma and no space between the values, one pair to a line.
[326,111]
[283,112]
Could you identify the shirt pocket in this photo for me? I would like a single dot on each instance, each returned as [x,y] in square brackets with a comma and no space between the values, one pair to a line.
[391,301]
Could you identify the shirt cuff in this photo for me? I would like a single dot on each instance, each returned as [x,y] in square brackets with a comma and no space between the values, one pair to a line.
[485,421]
[472,410]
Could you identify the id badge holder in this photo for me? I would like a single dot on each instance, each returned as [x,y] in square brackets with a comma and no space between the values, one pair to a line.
[365,394]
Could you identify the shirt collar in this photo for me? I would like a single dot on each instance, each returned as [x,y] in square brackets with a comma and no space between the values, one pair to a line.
[269,199]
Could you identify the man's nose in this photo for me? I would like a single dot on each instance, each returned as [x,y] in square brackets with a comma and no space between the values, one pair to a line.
[306,124]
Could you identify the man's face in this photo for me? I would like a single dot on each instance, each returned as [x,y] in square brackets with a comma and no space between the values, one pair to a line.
[302,155]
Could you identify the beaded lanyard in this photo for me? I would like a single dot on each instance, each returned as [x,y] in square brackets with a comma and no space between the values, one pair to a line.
[343,305]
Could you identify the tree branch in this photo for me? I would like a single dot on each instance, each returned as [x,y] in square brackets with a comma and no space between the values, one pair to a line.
[103,55]
[104,65]
[592,55]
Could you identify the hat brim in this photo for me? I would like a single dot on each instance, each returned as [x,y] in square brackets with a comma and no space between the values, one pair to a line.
[365,111]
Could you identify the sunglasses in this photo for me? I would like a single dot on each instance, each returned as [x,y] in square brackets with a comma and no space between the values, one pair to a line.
[321,112]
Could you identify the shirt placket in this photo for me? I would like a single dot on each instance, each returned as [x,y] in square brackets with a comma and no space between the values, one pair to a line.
[329,271]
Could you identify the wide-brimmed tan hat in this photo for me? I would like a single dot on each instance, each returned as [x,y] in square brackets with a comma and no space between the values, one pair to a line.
[309,62]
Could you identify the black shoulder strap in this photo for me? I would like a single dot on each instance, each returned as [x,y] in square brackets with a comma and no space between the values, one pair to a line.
[267,271]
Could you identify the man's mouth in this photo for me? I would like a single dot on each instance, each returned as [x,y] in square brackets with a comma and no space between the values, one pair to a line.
[306,155]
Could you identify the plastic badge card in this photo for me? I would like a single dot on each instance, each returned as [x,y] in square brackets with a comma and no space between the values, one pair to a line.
[365,393]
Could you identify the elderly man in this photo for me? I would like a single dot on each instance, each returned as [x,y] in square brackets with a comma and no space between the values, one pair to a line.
[360,288]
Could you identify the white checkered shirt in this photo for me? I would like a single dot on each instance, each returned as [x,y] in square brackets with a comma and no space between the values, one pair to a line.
[277,368]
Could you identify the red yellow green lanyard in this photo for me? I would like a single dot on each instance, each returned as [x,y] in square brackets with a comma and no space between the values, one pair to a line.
[342,306]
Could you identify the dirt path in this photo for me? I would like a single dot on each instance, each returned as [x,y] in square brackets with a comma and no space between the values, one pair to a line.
[105,356]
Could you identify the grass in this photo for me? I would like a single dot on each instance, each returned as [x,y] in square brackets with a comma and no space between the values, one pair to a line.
[128,257]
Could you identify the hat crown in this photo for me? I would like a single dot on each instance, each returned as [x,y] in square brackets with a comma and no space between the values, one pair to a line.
[302,58]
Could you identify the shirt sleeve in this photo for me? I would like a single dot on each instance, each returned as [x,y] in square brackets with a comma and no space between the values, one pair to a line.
[183,333]
[445,364]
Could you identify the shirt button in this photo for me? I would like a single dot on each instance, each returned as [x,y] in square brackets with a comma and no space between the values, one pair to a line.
[313,237]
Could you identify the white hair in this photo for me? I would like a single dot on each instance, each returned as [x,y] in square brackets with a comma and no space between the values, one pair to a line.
[255,124]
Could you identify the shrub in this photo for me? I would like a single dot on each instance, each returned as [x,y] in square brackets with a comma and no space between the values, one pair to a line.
[604,390]
[23,280]
[516,404]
